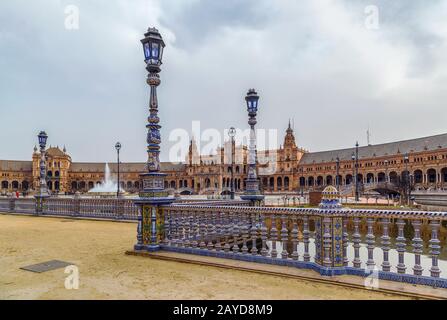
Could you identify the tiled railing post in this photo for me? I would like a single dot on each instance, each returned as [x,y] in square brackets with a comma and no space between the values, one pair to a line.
[235,231]
[294,235]
[434,248]
[284,237]
[327,242]
[356,240]
[370,240]
[385,238]
[273,236]
[254,234]
[306,237]
[400,245]
[12,204]
[264,250]
[417,248]
[345,241]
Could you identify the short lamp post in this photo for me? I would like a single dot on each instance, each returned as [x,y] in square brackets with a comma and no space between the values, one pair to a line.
[152,195]
[232,134]
[252,192]
[43,188]
[118,148]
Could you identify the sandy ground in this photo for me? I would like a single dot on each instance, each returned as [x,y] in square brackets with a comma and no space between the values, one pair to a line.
[97,249]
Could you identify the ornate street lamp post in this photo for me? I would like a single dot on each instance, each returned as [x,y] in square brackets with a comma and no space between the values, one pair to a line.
[231,134]
[407,178]
[43,188]
[357,172]
[118,148]
[252,192]
[337,167]
[152,193]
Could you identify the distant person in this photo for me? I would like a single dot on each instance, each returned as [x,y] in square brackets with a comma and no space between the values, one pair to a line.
[17,194]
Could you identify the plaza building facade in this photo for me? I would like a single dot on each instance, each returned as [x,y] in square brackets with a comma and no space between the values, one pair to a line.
[289,169]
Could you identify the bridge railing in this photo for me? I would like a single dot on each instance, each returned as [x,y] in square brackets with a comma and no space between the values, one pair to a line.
[332,242]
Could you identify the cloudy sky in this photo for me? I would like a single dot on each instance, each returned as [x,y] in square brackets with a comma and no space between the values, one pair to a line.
[329,65]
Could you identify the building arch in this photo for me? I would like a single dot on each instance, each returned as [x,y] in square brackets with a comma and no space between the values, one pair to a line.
[91,185]
[15,185]
[444,175]
[136,185]
[25,185]
[394,177]
[418,176]
[348,179]
[129,185]
[271,183]
[320,181]
[279,183]
[431,176]
[381,177]
[329,180]
[286,183]
[74,186]
[5,184]
[173,185]
[370,178]
[310,181]
[302,182]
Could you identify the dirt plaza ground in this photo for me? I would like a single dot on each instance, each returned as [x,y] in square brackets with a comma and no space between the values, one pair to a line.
[97,248]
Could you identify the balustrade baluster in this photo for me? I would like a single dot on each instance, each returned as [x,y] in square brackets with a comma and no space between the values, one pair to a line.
[202,228]
[235,233]
[244,233]
[181,225]
[345,241]
[284,237]
[195,229]
[306,236]
[356,243]
[370,240]
[417,247]
[264,250]
[400,245]
[434,248]
[385,238]
[254,234]
[210,230]
[294,235]
[167,227]
[327,242]
[274,236]
[227,230]
[187,227]
[218,231]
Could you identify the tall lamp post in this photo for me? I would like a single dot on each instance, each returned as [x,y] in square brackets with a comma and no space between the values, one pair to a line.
[118,148]
[407,177]
[337,172]
[152,194]
[357,172]
[302,182]
[232,134]
[43,188]
[252,192]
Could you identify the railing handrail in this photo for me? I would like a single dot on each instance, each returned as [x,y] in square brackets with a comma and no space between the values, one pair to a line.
[315,211]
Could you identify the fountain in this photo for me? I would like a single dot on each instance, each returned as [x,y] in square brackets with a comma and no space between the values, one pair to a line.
[108,186]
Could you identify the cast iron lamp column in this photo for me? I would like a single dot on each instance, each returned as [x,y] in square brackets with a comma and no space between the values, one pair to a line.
[118,148]
[152,194]
[231,134]
[337,172]
[357,172]
[252,192]
[43,188]
[407,177]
